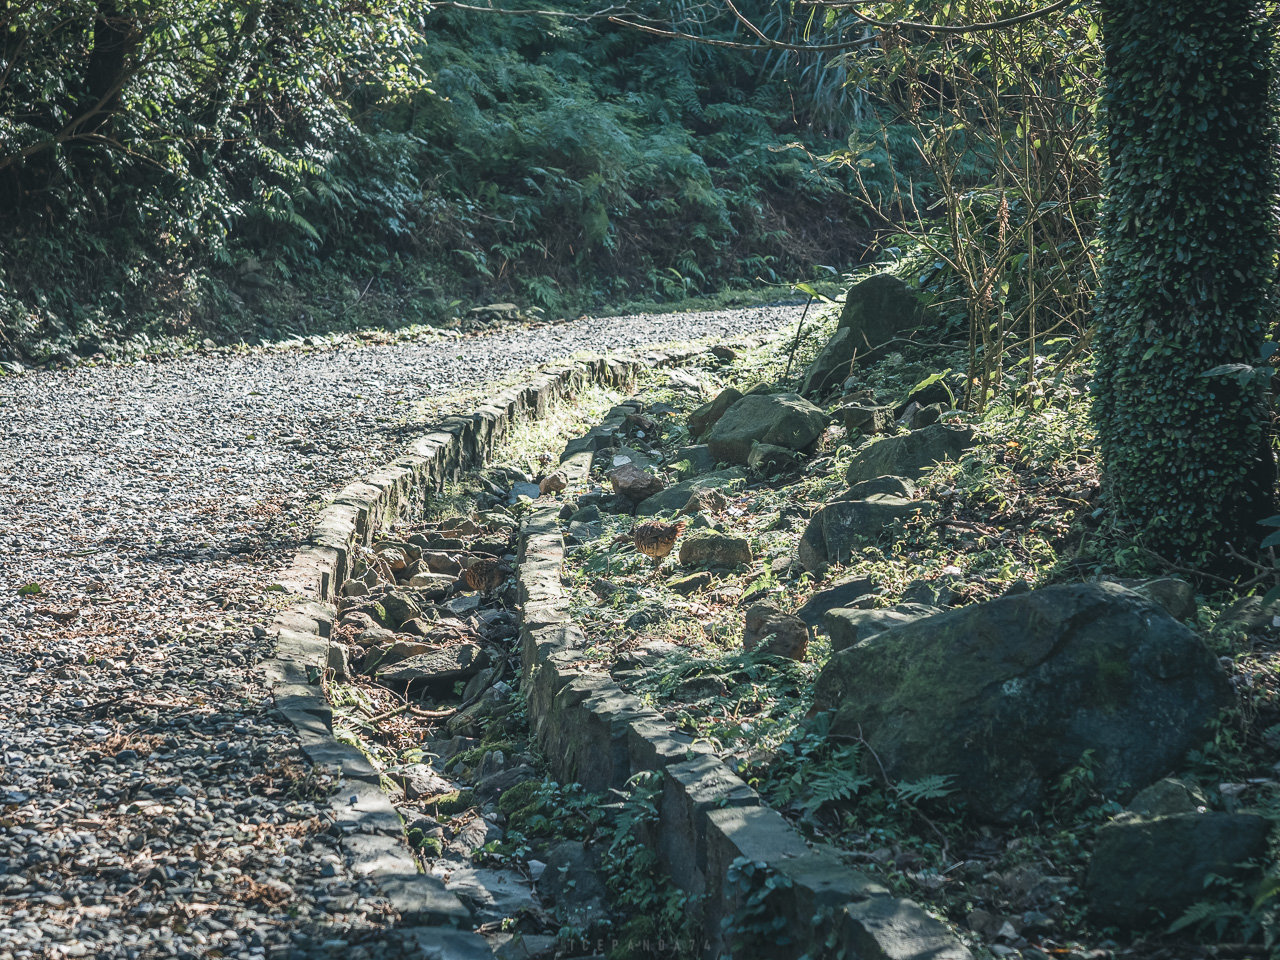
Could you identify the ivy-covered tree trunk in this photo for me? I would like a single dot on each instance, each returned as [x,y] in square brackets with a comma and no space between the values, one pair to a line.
[1189,232]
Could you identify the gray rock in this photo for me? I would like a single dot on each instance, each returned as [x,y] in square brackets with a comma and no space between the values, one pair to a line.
[461,606]
[910,455]
[588,514]
[573,884]
[634,483]
[830,367]
[420,898]
[1146,873]
[879,309]
[846,593]
[677,495]
[437,561]
[1176,596]
[890,486]
[769,630]
[698,457]
[1004,697]
[687,586]
[447,665]
[711,549]
[783,419]
[769,460]
[1250,614]
[704,418]
[525,946]
[400,607]
[876,310]
[705,499]
[867,418]
[354,588]
[339,662]
[492,895]
[840,528]
[431,587]
[522,489]
[917,417]
[1167,797]
[847,627]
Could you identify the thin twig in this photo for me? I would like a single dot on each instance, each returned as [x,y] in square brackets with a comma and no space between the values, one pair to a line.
[796,343]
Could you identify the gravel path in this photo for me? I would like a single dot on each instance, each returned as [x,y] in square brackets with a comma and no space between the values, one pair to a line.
[151,804]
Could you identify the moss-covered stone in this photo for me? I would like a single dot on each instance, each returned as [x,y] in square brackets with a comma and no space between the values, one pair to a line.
[1147,872]
[910,455]
[1005,697]
[783,420]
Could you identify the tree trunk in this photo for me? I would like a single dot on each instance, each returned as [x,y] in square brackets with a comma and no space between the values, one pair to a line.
[1189,235]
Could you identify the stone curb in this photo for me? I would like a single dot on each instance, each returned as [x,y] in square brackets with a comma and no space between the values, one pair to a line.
[371,832]
[596,734]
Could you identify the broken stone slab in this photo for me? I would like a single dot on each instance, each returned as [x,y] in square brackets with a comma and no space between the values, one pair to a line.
[423,899]
[887,928]
[446,665]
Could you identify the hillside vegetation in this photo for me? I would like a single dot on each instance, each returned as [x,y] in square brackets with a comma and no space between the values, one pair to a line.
[261,170]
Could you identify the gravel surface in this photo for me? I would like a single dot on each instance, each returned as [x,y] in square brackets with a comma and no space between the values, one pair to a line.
[151,803]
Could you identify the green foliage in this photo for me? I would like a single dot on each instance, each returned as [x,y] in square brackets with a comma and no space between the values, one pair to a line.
[756,928]
[1190,238]
[657,911]
[214,164]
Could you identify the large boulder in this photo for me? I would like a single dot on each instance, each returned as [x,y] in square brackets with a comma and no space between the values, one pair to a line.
[1005,697]
[781,419]
[880,309]
[1147,872]
[911,454]
[841,527]
[877,310]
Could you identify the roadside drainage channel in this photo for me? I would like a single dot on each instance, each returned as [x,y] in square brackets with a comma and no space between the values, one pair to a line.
[596,734]
[370,829]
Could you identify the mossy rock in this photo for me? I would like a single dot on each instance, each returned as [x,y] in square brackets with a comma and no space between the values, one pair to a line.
[910,455]
[677,495]
[784,420]
[1006,697]
[1148,872]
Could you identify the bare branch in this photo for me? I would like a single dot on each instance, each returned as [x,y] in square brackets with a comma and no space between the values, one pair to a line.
[940,28]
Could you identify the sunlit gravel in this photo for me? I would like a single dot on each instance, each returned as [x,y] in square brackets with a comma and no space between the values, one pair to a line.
[151,804]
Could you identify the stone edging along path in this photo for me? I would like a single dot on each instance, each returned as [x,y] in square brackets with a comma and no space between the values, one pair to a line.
[596,734]
[591,730]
